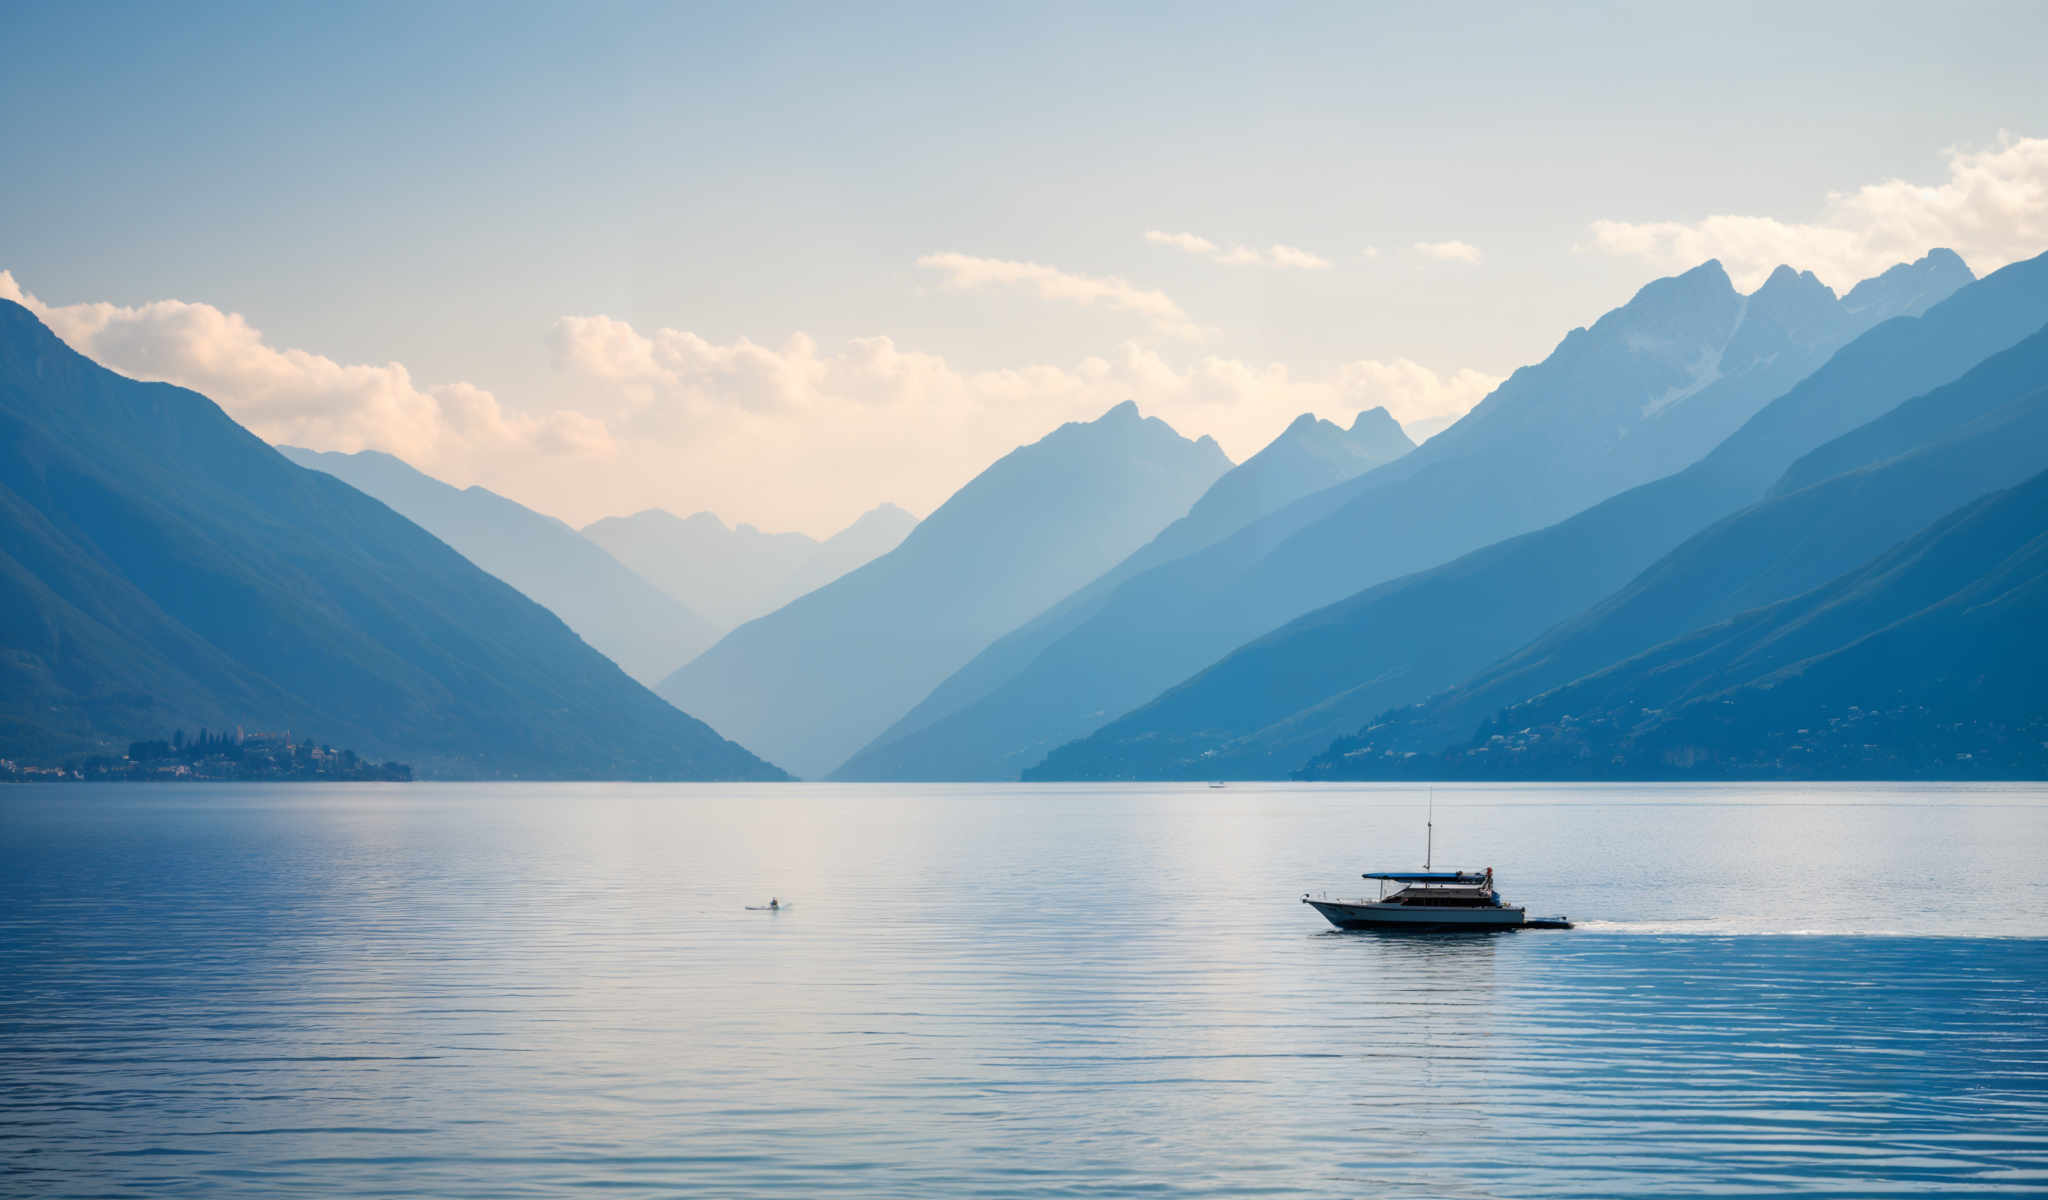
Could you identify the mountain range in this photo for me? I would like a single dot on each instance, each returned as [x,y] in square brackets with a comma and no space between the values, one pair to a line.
[1267,707]
[1833,510]
[817,679]
[1926,662]
[1710,535]
[733,574]
[932,742]
[1645,390]
[643,629]
[162,568]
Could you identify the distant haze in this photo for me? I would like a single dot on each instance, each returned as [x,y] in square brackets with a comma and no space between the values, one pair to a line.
[1641,392]
[731,575]
[814,681]
[647,632]
[788,264]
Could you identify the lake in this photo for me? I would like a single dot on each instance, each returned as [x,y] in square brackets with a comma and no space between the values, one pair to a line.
[551,990]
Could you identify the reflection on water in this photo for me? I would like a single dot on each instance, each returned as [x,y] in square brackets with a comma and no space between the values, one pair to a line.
[542,991]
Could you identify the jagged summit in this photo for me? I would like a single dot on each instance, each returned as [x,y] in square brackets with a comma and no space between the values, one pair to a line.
[1910,289]
[1786,280]
[1780,275]
[1370,419]
[1374,437]
[1707,282]
[1376,434]
[823,675]
[1792,307]
[1126,422]
[1372,426]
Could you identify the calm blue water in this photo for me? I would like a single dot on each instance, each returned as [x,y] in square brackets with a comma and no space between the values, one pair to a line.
[1067,991]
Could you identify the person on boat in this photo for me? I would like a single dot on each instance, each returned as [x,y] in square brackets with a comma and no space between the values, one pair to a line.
[773,903]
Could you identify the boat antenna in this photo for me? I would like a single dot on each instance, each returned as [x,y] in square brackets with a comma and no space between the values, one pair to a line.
[1429,831]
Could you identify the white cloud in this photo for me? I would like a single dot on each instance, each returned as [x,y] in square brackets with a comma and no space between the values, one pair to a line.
[1419,398]
[1298,259]
[1993,210]
[1186,242]
[1276,255]
[967,272]
[296,397]
[791,435]
[814,435]
[1464,252]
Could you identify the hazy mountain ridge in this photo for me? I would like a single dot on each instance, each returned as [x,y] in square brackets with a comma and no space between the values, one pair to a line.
[1074,565]
[1329,673]
[732,575]
[1984,432]
[621,615]
[1909,289]
[1639,391]
[871,535]
[1308,456]
[160,566]
[823,675]
[1928,662]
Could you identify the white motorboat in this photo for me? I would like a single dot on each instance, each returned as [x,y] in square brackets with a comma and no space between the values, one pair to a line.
[1430,900]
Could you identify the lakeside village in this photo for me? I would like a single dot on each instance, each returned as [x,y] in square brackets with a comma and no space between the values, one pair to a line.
[218,757]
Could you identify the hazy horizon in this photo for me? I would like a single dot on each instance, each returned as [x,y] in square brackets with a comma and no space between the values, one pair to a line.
[877,256]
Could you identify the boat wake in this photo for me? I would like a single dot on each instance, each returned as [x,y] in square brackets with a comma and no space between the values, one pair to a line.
[1722,927]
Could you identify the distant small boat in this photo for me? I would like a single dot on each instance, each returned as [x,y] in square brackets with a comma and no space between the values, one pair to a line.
[1218,783]
[773,905]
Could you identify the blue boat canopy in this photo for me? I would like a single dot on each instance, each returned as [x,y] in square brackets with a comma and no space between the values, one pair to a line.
[1427,876]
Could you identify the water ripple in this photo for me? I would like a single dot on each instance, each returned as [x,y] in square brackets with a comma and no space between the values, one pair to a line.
[1041,992]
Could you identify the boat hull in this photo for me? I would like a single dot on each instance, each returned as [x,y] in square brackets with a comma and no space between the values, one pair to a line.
[1416,918]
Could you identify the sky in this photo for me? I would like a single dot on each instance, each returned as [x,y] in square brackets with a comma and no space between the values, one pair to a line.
[785,263]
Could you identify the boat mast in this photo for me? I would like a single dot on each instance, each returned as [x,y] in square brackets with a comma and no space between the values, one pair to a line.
[1429,831]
